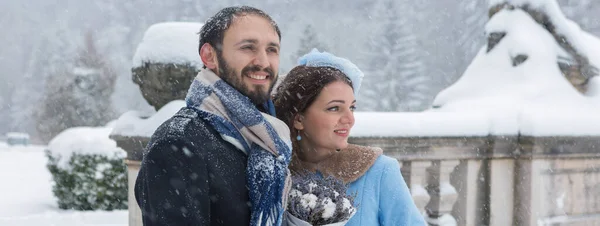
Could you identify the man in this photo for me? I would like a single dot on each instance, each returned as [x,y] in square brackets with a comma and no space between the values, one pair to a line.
[221,160]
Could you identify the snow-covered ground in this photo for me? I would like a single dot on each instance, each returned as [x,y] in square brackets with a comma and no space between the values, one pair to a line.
[26,193]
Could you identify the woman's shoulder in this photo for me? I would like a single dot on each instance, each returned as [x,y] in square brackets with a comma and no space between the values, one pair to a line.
[352,162]
[384,161]
[382,166]
[378,160]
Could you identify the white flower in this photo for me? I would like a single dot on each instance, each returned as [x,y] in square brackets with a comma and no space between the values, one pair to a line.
[295,193]
[346,204]
[329,208]
[309,201]
[311,186]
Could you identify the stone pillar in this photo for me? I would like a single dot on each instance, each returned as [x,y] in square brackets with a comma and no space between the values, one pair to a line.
[134,146]
[135,213]
[501,185]
[469,181]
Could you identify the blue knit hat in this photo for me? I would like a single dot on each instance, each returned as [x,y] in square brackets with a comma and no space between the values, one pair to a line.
[325,59]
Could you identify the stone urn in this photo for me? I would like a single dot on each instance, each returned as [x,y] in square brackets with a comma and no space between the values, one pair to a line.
[166,62]
[162,83]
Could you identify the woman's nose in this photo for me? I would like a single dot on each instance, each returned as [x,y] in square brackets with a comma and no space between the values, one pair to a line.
[348,118]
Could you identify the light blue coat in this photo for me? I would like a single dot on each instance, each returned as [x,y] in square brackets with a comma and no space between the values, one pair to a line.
[383,198]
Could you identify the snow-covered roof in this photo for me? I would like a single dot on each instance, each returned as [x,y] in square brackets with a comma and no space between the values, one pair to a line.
[133,123]
[169,42]
[84,140]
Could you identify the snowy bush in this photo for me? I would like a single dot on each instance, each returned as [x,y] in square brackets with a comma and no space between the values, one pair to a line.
[88,170]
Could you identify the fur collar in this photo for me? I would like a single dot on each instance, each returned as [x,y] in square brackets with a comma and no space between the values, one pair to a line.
[348,164]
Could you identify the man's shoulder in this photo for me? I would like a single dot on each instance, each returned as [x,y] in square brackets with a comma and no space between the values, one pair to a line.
[184,125]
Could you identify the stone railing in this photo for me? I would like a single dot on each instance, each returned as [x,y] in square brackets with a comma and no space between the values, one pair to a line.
[500,180]
[494,180]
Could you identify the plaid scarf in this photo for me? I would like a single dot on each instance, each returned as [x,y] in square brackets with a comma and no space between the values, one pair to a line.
[264,138]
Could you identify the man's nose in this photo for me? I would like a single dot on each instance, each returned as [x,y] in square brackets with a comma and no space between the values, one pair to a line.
[261,59]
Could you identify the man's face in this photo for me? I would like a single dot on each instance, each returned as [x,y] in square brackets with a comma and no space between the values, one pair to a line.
[249,57]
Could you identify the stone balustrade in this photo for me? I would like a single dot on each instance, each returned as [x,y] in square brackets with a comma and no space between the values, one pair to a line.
[498,180]
[473,181]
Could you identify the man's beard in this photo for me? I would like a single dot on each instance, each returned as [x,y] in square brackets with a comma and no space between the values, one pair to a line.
[259,95]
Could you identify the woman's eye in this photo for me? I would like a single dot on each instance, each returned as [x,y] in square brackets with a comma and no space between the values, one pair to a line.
[333,108]
[352,108]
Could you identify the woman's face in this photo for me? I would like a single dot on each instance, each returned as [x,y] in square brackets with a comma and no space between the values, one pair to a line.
[325,125]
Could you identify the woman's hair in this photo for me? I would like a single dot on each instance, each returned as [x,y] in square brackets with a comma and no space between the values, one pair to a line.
[300,88]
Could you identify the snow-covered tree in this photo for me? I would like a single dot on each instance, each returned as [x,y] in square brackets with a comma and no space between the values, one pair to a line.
[77,95]
[308,41]
[394,80]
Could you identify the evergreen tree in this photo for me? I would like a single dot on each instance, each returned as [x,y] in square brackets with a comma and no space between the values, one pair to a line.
[309,41]
[394,78]
[77,95]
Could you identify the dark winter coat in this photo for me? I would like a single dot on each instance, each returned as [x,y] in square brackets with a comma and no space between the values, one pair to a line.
[191,176]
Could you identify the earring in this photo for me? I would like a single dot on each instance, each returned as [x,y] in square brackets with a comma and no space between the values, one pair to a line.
[298,138]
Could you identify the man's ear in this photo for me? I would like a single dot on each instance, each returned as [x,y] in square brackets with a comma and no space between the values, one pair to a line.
[298,124]
[208,55]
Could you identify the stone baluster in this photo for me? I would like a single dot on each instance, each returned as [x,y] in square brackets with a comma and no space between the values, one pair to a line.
[442,194]
[469,180]
[414,173]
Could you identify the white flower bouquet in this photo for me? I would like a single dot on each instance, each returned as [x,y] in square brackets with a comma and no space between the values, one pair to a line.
[316,200]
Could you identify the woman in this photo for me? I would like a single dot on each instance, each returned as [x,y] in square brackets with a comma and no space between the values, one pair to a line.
[316,100]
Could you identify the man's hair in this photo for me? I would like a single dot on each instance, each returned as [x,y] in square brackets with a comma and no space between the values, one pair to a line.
[300,88]
[213,31]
